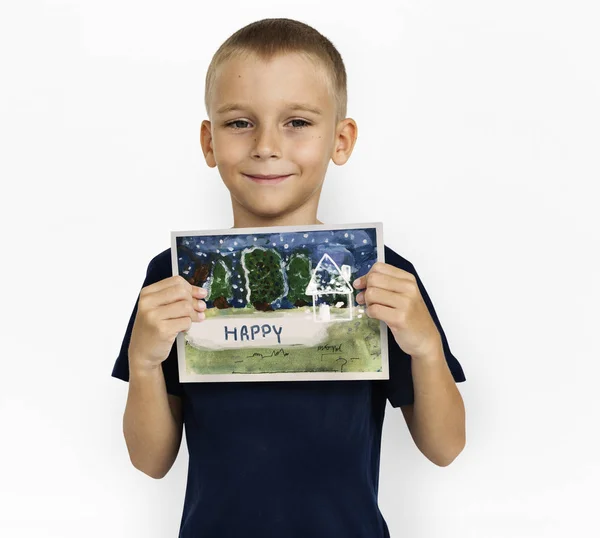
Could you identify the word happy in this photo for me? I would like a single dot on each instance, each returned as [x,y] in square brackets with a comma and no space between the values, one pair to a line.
[252,332]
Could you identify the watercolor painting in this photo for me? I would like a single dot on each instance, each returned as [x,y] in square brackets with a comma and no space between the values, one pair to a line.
[280,304]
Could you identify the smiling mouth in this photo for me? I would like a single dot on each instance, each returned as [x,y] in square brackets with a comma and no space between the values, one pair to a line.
[267,179]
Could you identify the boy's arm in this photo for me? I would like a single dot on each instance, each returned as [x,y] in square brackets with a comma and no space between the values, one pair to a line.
[436,420]
[152,422]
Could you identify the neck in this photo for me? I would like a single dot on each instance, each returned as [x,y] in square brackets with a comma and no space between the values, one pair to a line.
[242,218]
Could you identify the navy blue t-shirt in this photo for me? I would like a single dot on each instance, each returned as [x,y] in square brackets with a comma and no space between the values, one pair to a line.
[285,458]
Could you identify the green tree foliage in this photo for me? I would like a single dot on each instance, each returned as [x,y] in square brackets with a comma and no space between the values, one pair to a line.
[298,277]
[265,276]
[220,285]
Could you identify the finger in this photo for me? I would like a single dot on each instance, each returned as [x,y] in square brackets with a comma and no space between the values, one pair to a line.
[198,317]
[383,297]
[390,283]
[199,292]
[179,290]
[175,280]
[186,308]
[177,325]
[382,313]
[166,283]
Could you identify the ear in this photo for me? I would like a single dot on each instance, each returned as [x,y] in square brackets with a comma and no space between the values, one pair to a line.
[206,142]
[346,134]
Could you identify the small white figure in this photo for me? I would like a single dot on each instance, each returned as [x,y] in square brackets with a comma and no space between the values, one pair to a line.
[324,313]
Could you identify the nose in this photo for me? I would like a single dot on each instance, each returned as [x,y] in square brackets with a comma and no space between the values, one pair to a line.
[266,143]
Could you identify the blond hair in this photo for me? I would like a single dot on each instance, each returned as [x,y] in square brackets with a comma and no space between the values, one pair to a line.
[268,38]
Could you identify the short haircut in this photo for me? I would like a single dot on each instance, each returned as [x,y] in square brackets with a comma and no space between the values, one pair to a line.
[268,38]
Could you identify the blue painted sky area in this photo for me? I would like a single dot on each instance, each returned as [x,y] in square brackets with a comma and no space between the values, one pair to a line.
[354,247]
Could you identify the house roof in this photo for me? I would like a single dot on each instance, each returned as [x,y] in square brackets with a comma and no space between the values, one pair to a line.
[328,277]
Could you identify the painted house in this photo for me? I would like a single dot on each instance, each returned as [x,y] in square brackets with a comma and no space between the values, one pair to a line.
[328,280]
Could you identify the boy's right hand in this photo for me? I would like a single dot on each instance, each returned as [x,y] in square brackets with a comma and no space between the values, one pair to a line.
[165,308]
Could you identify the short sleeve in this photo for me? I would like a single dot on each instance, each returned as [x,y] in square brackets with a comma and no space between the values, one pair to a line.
[399,388]
[159,268]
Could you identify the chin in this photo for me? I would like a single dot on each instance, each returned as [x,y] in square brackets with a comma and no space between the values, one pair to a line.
[267,211]
[268,203]
[262,203]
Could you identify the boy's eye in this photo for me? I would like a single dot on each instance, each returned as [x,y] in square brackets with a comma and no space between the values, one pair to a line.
[236,123]
[299,121]
[243,124]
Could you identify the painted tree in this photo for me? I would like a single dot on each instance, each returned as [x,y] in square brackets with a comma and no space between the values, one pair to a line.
[191,266]
[220,286]
[264,277]
[298,277]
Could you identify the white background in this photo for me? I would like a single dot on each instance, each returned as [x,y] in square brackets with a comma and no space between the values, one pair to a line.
[478,149]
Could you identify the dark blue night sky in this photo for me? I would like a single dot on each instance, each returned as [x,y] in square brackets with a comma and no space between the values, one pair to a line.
[354,247]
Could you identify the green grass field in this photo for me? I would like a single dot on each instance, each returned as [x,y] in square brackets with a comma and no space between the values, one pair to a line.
[350,346]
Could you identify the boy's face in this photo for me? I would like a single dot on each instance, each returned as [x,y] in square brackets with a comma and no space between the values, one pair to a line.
[275,118]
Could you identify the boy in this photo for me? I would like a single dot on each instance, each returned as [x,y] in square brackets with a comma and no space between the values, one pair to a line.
[283,459]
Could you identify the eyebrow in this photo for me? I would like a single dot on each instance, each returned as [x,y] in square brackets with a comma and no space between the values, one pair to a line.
[292,106]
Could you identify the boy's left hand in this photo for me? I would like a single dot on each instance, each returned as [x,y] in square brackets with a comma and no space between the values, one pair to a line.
[392,295]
